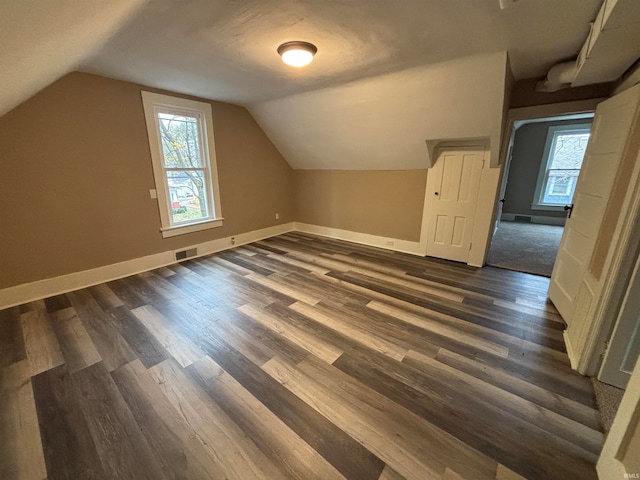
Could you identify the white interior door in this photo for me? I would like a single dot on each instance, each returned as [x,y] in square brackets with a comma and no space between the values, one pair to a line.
[453,184]
[624,345]
[609,135]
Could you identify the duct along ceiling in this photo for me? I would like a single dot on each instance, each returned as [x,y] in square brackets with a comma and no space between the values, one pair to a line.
[612,46]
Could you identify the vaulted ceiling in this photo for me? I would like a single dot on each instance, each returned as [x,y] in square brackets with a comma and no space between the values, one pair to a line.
[226,49]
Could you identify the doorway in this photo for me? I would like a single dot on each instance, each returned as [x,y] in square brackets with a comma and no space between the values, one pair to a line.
[539,180]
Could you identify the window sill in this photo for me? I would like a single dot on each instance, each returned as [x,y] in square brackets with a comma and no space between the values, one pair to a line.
[549,208]
[192,227]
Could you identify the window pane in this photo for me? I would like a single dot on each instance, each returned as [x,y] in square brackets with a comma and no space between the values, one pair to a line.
[561,184]
[560,187]
[180,141]
[187,194]
[568,150]
[565,160]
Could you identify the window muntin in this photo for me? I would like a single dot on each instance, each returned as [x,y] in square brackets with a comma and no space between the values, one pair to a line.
[560,168]
[181,142]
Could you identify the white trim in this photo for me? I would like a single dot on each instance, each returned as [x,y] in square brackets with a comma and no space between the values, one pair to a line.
[485,215]
[625,425]
[555,109]
[427,210]
[28,292]
[404,246]
[558,118]
[615,276]
[548,208]
[572,358]
[625,333]
[541,219]
[193,227]
[435,147]
[153,103]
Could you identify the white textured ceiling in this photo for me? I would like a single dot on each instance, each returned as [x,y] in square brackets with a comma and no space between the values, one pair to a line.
[359,105]
[226,49]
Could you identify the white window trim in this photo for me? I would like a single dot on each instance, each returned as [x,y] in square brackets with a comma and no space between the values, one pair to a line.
[536,204]
[153,103]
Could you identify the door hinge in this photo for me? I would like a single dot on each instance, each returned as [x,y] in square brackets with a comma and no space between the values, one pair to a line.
[470,243]
[607,344]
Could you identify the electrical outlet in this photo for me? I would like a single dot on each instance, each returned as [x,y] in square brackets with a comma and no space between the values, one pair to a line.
[277,216]
[153,193]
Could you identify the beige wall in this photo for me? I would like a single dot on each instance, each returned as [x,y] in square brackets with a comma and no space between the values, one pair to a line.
[631,457]
[75,174]
[377,202]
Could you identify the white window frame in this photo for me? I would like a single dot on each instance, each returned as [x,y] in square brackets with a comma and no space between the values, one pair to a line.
[544,164]
[155,103]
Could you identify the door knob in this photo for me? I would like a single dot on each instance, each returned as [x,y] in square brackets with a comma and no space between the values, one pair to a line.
[568,208]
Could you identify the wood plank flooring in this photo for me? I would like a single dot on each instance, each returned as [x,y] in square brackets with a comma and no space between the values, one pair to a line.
[296,357]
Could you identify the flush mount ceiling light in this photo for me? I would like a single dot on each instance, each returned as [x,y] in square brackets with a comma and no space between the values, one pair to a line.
[297,54]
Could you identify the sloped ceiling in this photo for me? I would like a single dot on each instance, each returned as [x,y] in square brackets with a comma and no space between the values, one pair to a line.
[226,50]
[40,41]
[383,122]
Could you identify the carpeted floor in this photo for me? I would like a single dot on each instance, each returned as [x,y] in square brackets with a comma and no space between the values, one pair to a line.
[608,399]
[525,247]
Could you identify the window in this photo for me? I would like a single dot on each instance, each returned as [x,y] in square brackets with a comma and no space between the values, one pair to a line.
[562,160]
[184,167]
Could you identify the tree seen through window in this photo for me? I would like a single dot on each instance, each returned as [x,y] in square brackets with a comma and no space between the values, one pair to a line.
[563,166]
[185,170]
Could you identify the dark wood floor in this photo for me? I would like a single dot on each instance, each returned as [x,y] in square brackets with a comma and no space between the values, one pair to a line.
[295,357]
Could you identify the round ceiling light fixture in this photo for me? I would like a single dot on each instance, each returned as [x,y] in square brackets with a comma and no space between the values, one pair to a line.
[297,54]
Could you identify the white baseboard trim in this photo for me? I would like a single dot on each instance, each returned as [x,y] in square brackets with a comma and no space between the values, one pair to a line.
[544,220]
[572,358]
[387,243]
[28,292]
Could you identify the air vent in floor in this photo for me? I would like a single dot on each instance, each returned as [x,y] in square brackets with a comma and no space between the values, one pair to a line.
[192,252]
[522,218]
